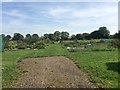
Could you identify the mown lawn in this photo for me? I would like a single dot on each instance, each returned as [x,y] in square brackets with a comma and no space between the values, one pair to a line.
[100,65]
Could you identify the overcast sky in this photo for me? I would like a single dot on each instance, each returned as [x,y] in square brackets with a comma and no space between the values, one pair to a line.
[47,17]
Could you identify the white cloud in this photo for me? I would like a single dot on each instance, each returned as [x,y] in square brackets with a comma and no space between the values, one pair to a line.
[15,13]
[78,13]
[56,12]
[75,20]
[95,12]
[93,18]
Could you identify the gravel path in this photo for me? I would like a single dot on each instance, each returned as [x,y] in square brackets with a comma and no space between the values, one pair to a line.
[51,72]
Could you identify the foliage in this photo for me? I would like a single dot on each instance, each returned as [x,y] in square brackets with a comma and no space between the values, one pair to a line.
[39,45]
[8,37]
[34,38]
[11,45]
[116,43]
[71,44]
[51,36]
[57,35]
[79,37]
[18,36]
[73,37]
[64,35]
[21,45]
[30,40]
[46,36]
[102,33]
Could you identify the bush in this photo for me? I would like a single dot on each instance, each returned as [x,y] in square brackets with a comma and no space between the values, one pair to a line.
[116,43]
[71,44]
[21,45]
[12,45]
[39,45]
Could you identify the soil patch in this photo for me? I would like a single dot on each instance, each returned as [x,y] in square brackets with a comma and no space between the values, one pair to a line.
[51,72]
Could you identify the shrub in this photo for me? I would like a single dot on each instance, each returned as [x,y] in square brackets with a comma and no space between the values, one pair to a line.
[12,45]
[39,45]
[21,45]
[71,44]
[116,43]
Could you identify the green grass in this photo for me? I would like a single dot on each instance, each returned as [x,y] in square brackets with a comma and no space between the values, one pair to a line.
[97,64]
[100,65]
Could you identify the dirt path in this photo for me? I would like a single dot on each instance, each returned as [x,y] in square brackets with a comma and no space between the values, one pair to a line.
[54,72]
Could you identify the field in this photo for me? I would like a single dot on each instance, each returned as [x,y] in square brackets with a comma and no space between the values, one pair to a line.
[102,66]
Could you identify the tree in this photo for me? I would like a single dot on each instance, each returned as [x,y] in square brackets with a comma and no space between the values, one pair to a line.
[102,33]
[64,35]
[57,35]
[73,37]
[28,39]
[79,36]
[95,35]
[8,37]
[116,40]
[51,36]
[28,35]
[34,38]
[86,36]
[46,36]
[115,36]
[17,36]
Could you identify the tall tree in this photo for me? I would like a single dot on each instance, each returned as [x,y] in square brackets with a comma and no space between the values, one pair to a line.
[86,36]
[79,36]
[8,37]
[28,35]
[34,38]
[64,35]
[51,36]
[105,33]
[102,33]
[28,39]
[95,35]
[46,36]
[73,37]
[57,35]
[17,36]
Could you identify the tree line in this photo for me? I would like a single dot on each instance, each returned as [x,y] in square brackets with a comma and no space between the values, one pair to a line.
[101,33]
[35,41]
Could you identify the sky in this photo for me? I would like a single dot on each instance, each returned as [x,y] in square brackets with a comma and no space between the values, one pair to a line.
[59,0]
[48,17]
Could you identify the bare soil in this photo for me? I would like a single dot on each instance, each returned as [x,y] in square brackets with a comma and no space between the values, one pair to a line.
[51,72]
